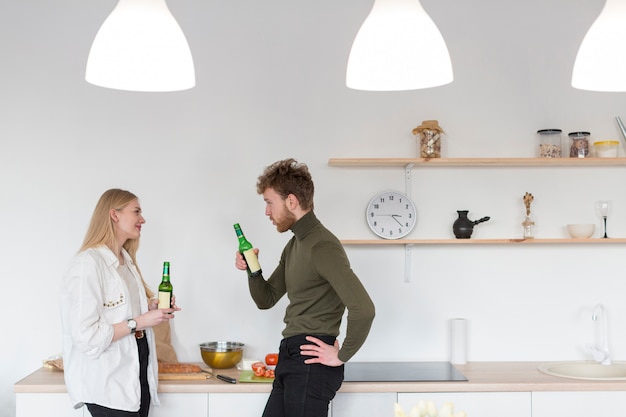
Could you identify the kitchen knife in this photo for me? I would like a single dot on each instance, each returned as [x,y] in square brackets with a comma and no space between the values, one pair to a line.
[227,379]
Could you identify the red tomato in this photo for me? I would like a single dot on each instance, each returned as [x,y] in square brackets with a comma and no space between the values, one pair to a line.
[258,368]
[271,358]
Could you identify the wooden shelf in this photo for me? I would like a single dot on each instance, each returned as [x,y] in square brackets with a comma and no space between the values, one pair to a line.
[478,162]
[382,242]
[408,164]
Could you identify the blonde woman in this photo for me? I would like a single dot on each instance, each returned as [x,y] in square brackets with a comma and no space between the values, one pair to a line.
[107,313]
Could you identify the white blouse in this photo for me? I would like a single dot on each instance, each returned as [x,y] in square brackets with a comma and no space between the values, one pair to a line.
[94,297]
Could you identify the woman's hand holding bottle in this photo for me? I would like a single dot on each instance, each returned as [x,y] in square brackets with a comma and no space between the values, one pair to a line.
[155,316]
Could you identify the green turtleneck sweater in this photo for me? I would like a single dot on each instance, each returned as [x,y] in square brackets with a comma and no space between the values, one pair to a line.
[315,273]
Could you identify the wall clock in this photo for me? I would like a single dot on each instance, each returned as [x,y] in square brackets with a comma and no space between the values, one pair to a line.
[391,215]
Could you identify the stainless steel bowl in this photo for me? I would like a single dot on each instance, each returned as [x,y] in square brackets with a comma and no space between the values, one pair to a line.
[222,354]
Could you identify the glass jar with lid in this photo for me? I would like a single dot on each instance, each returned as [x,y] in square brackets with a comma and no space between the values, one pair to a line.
[429,138]
[549,143]
[579,144]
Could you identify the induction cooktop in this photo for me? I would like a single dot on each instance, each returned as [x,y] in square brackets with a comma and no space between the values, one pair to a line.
[401,372]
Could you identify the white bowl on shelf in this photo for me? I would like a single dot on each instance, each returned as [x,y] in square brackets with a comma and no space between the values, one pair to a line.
[581,231]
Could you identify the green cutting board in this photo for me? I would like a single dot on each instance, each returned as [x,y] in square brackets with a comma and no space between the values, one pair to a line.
[248,376]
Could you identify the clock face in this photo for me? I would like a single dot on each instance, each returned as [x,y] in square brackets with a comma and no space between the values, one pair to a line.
[391,215]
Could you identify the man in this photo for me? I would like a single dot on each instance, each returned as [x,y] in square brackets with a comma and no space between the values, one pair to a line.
[315,273]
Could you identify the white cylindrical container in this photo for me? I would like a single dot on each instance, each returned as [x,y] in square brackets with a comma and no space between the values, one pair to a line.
[606,148]
[458,341]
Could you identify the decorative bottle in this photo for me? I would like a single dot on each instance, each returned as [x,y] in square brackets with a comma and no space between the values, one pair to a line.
[528,225]
[165,288]
[529,228]
[247,250]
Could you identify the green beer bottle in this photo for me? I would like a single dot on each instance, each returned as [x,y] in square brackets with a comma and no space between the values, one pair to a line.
[247,250]
[165,288]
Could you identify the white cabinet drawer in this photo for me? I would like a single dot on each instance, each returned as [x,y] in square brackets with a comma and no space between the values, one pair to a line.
[579,404]
[475,404]
[363,404]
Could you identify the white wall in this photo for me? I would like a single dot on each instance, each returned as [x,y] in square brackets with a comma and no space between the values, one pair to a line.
[271,85]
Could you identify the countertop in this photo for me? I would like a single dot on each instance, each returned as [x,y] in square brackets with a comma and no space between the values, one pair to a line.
[482,377]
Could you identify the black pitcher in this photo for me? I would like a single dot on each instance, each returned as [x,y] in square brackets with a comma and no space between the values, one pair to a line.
[463,227]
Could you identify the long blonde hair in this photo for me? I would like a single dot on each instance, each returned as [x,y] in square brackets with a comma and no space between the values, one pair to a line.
[101,230]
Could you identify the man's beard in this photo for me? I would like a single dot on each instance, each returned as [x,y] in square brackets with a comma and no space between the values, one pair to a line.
[286,222]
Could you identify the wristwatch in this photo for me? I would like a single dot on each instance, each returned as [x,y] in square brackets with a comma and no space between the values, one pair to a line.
[132,325]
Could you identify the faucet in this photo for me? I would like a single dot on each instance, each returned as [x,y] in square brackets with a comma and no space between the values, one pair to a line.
[602,355]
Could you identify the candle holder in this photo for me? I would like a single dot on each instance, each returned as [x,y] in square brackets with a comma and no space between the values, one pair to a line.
[603,209]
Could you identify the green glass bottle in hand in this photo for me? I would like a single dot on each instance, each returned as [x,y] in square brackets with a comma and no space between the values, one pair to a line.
[247,250]
[165,288]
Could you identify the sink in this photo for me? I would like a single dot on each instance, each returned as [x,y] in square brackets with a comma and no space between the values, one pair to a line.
[586,370]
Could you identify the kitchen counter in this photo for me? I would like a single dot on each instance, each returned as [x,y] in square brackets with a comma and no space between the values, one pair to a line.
[482,377]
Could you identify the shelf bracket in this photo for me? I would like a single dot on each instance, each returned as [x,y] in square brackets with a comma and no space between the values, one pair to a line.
[408,187]
[408,169]
[407,262]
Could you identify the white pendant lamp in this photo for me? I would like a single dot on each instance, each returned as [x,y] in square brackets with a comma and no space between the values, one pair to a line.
[601,63]
[141,47]
[398,47]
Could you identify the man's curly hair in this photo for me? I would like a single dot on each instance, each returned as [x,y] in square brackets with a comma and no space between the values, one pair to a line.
[288,177]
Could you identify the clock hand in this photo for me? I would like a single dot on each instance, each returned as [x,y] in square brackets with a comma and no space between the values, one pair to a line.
[388,215]
[393,216]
